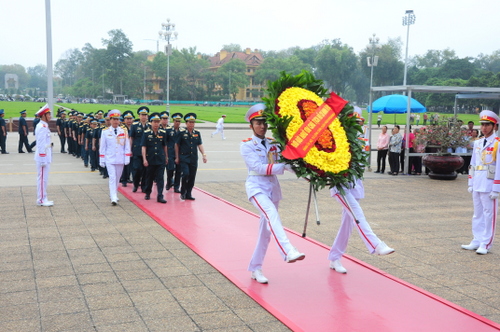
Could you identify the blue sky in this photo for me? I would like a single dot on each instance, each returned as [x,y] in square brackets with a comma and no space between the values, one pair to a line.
[468,27]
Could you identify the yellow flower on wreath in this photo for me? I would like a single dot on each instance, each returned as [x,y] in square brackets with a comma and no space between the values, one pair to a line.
[336,161]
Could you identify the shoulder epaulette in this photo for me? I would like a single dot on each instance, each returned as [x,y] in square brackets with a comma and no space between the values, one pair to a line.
[106,128]
[147,130]
[247,140]
[497,138]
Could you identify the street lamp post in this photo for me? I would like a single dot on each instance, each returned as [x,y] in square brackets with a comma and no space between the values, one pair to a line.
[372,62]
[408,20]
[169,34]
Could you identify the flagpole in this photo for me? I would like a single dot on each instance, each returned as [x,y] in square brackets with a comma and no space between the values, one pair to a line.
[50,86]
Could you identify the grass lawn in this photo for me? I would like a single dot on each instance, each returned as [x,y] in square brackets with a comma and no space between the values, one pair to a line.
[206,113]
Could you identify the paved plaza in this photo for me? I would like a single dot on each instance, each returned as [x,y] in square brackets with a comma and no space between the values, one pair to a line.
[84,265]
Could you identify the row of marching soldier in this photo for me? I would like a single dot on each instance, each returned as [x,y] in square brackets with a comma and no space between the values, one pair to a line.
[141,148]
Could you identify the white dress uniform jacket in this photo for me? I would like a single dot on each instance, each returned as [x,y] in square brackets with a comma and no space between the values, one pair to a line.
[114,148]
[43,153]
[484,157]
[262,167]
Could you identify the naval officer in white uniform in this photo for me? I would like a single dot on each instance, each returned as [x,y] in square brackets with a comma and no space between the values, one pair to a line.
[114,152]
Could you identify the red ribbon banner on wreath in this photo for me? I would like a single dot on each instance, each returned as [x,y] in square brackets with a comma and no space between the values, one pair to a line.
[303,140]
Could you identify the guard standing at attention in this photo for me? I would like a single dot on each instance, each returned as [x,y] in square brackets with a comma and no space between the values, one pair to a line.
[3,132]
[186,153]
[155,157]
[484,184]
[61,126]
[89,145]
[173,169]
[136,132]
[43,155]
[23,134]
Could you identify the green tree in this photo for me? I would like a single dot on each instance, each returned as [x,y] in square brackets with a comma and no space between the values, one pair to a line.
[232,48]
[38,77]
[489,62]
[117,58]
[458,68]
[231,76]
[335,64]
[433,58]
[271,68]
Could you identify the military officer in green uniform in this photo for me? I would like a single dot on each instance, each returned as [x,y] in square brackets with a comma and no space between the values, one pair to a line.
[186,153]
[136,132]
[173,169]
[128,120]
[155,157]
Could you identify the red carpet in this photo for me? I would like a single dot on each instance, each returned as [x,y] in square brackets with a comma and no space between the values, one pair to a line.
[306,295]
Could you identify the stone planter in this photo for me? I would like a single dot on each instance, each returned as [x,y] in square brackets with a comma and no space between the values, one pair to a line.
[443,167]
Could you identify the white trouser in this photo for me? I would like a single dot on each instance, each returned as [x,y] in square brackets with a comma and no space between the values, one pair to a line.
[114,173]
[365,231]
[218,130]
[270,225]
[484,219]
[42,182]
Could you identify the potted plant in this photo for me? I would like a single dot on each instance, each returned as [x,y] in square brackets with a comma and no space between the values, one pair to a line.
[443,137]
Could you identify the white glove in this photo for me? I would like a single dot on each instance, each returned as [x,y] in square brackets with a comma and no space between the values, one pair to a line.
[289,168]
[102,165]
[469,190]
[493,195]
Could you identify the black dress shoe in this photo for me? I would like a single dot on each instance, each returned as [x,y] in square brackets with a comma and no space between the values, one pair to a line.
[105,176]
[135,189]
[183,196]
[161,200]
[130,181]
[147,197]
[5,152]
[167,187]
[191,198]
[21,151]
[177,191]
[124,184]
[376,172]
[63,152]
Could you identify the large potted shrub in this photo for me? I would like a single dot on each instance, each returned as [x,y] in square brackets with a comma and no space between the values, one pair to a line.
[443,137]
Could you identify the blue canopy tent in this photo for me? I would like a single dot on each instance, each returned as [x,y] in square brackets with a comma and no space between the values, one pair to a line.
[396,104]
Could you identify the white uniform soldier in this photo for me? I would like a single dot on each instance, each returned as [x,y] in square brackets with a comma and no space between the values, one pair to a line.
[43,155]
[263,190]
[114,153]
[352,214]
[484,184]
[219,128]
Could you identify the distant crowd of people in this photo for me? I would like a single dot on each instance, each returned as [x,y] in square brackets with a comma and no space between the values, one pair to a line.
[392,148]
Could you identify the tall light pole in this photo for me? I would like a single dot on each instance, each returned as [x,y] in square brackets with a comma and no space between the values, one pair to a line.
[372,62]
[169,34]
[408,20]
